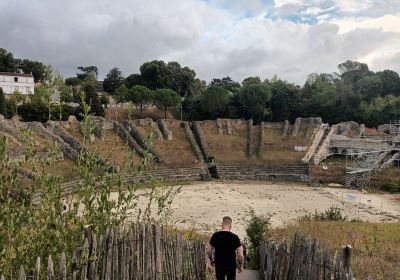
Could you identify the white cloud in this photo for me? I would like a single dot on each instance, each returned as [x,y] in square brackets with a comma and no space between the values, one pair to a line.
[214,40]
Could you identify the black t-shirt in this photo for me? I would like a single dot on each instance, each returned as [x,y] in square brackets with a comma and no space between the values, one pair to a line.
[225,244]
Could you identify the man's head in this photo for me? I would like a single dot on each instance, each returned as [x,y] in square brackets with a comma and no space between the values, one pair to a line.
[226,223]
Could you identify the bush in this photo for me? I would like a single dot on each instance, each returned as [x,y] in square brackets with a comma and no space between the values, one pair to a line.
[331,214]
[30,112]
[65,111]
[256,230]
[391,186]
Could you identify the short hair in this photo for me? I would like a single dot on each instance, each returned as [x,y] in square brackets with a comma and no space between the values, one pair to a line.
[227,220]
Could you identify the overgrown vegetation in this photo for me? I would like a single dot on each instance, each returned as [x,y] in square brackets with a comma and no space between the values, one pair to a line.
[55,225]
[376,246]
[331,214]
[256,230]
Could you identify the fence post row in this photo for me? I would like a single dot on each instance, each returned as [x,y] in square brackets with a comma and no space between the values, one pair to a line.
[139,251]
[303,260]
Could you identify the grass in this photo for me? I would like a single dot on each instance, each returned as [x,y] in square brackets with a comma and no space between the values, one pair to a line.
[376,247]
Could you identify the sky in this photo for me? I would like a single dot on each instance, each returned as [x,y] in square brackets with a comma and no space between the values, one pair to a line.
[216,38]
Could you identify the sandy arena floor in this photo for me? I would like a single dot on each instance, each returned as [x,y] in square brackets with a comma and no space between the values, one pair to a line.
[201,206]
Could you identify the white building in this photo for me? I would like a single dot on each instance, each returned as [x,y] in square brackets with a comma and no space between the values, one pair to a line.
[11,82]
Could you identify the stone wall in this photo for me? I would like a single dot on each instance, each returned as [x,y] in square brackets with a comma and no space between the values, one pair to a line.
[193,143]
[200,136]
[316,143]
[261,140]
[126,136]
[164,129]
[12,131]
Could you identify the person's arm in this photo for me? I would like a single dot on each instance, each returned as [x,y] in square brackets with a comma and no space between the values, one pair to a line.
[210,254]
[240,256]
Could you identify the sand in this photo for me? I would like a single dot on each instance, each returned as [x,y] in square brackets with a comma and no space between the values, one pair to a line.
[201,206]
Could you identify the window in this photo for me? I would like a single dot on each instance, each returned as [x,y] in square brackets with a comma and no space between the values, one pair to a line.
[16,79]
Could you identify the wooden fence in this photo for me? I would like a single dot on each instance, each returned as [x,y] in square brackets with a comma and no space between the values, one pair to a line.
[303,259]
[140,252]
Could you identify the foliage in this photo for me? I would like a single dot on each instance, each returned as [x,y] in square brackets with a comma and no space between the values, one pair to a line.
[87,72]
[166,99]
[134,80]
[376,246]
[3,104]
[331,214]
[38,69]
[113,80]
[227,83]
[214,101]
[66,94]
[140,96]
[61,112]
[253,99]
[92,98]
[73,81]
[251,80]
[33,111]
[121,94]
[56,224]
[391,186]
[256,230]
[7,62]
[155,74]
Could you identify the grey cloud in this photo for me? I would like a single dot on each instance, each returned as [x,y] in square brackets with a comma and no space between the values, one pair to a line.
[198,34]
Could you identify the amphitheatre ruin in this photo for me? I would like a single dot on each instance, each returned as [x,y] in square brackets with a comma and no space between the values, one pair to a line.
[281,166]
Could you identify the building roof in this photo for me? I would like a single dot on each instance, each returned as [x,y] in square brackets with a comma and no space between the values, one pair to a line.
[15,74]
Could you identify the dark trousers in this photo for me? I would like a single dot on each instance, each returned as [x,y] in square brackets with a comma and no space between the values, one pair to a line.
[220,273]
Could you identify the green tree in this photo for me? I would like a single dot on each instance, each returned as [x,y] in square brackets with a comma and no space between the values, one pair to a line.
[227,83]
[253,100]
[369,87]
[251,80]
[214,101]
[166,99]
[140,96]
[198,87]
[87,71]
[7,62]
[92,98]
[121,94]
[155,74]
[66,94]
[285,100]
[37,69]
[352,71]
[113,80]
[3,104]
[390,82]
[134,80]
[73,81]
[180,79]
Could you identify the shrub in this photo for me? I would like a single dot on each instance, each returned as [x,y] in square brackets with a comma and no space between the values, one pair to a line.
[256,230]
[331,214]
[391,186]
[30,112]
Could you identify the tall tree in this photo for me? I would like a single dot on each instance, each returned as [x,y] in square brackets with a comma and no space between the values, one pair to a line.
[37,69]
[7,62]
[253,101]
[92,98]
[121,94]
[113,80]
[227,83]
[369,87]
[214,101]
[134,80]
[390,82]
[352,71]
[166,99]
[140,96]
[155,74]
[285,100]
[87,71]
[180,79]
[251,80]
[3,104]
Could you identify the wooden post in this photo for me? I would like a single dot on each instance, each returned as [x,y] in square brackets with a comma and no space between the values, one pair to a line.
[157,245]
[50,269]
[63,267]
[22,275]
[36,272]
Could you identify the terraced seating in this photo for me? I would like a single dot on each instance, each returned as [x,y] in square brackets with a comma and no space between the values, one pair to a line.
[263,172]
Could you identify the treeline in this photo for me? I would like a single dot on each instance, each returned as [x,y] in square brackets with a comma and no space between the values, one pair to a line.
[354,93]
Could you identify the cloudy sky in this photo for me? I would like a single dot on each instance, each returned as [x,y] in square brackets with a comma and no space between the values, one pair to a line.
[239,38]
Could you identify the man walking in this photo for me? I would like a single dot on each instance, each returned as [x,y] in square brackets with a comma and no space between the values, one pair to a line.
[227,246]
